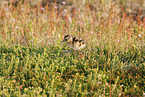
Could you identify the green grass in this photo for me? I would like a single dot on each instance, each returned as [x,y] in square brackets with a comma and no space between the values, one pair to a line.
[32,61]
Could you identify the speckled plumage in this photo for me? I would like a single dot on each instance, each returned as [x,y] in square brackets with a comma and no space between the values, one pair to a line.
[74,42]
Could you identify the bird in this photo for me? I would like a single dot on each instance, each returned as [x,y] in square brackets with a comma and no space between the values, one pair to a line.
[74,42]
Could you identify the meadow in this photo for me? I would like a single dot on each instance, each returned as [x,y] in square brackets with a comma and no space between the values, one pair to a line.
[32,61]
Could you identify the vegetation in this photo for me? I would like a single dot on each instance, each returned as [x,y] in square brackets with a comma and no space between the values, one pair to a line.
[33,61]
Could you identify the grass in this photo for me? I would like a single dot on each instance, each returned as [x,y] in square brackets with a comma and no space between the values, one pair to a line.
[32,61]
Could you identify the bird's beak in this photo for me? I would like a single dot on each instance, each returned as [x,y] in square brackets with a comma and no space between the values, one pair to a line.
[62,41]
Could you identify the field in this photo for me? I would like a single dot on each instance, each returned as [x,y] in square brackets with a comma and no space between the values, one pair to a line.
[33,61]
